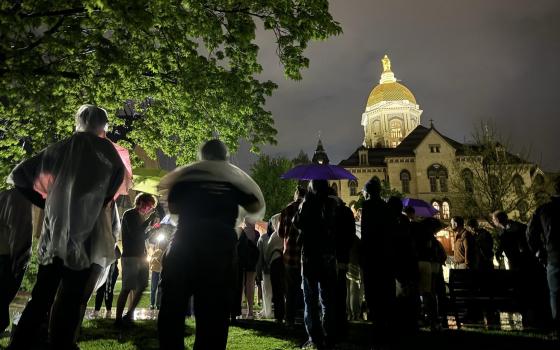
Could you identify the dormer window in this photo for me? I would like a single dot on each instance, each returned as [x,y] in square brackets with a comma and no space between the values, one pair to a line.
[363,157]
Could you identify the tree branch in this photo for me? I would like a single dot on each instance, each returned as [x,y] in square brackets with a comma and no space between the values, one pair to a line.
[66,12]
[40,40]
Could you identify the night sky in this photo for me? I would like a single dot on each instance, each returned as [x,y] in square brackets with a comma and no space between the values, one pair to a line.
[465,61]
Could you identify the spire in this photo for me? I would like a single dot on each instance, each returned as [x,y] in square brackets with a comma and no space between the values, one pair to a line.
[387,76]
[320,156]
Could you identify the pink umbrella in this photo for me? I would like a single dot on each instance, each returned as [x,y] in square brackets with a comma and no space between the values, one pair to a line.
[127,181]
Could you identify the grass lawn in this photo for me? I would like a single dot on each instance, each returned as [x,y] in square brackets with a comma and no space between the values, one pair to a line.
[266,335]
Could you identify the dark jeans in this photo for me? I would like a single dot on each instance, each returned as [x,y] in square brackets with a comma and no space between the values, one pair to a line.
[294,295]
[277,282]
[9,285]
[319,286]
[379,285]
[155,290]
[66,310]
[209,277]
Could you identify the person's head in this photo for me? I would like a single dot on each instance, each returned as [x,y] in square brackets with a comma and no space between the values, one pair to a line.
[319,187]
[213,150]
[500,218]
[395,205]
[373,188]
[457,223]
[472,223]
[410,212]
[92,119]
[299,193]
[332,192]
[145,203]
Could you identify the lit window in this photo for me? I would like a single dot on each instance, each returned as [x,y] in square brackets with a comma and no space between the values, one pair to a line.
[436,207]
[445,212]
[405,181]
[353,186]
[435,148]
[396,129]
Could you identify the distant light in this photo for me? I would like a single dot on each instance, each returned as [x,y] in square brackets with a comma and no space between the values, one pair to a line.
[161,237]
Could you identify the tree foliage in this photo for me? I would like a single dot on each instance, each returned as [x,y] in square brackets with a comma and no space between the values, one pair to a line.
[184,69]
[490,177]
[277,192]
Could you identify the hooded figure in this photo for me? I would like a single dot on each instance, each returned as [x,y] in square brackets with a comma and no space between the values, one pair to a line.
[211,197]
[74,180]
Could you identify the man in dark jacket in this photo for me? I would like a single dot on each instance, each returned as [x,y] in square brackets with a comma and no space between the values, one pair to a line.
[344,234]
[200,260]
[484,245]
[135,269]
[317,221]
[531,287]
[543,236]
[377,255]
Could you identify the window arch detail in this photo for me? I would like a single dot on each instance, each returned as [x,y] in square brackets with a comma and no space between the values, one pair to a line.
[437,175]
[445,210]
[405,181]
[353,187]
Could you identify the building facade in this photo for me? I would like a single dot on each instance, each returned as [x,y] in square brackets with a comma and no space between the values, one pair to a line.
[418,161]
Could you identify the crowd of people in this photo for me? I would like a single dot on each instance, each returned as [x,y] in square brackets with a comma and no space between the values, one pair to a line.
[377,262]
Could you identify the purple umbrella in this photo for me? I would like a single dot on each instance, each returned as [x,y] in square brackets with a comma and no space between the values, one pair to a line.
[421,208]
[318,172]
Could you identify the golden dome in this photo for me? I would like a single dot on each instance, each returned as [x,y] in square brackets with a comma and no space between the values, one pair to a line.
[388,88]
[390,92]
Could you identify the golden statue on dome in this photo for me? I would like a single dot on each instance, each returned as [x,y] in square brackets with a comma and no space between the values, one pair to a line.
[386,64]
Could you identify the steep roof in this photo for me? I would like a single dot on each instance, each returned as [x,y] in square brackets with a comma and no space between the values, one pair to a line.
[376,156]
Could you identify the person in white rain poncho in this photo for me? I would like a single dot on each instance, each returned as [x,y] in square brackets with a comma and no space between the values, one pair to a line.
[209,196]
[75,180]
[15,247]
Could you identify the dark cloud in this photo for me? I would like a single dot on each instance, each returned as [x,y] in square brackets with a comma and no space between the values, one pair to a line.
[465,61]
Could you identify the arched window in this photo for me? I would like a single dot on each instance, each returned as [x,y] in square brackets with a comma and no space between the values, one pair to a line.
[353,186]
[442,174]
[432,175]
[436,207]
[518,184]
[405,181]
[396,129]
[437,173]
[376,127]
[467,176]
[334,186]
[494,184]
[445,210]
